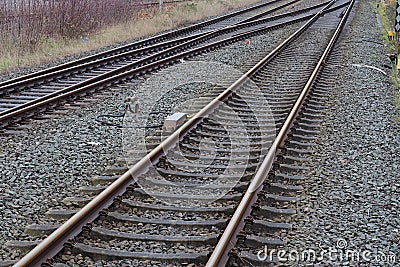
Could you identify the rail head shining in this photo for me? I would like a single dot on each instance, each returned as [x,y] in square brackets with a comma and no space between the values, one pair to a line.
[51,245]
[220,254]
[145,41]
[32,106]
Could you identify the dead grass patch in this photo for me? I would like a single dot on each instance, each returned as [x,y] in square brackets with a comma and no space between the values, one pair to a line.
[14,55]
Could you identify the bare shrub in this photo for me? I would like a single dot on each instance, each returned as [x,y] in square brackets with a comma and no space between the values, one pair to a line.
[27,23]
[36,31]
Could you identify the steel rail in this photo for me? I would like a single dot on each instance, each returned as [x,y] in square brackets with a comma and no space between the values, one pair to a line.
[228,239]
[117,75]
[51,245]
[4,89]
[108,78]
[140,43]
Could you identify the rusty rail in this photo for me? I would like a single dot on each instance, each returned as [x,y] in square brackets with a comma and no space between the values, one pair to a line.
[55,241]
[134,69]
[140,43]
[220,256]
[182,42]
[128,71]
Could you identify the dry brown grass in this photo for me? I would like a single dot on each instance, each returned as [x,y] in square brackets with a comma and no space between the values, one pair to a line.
[53,48]
[387,13]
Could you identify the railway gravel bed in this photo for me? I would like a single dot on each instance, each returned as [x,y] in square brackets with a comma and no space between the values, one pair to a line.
[351,199]
[250,53]
[78,147]
[147,245]
[13,105]
[251,49]
[148,102]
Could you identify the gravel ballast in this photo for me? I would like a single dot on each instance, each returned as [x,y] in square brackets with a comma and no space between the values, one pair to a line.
[351,202]
[55,157]
[352,194]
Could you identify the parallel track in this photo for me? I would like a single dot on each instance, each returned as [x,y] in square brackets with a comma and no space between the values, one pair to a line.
[297,129]
[139,44]
[119,224]
[33,94]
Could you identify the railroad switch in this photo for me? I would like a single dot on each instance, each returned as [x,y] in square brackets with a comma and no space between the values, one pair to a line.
[342,13]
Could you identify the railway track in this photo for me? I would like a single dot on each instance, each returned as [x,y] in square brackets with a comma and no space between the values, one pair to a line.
[146,42]
[188,201]
[33,94]
[269,222]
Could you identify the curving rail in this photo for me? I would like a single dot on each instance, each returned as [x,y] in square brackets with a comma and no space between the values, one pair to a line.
[141,43]
[142,66]
[54,242]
